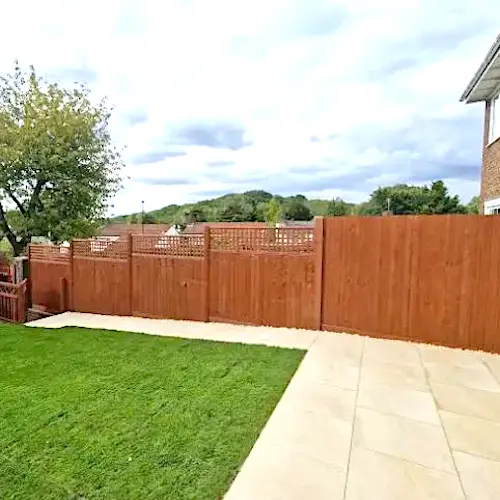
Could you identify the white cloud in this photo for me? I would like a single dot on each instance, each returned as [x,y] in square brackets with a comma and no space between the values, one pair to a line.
[351,94]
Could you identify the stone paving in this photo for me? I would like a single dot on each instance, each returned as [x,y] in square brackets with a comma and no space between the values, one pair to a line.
[362,418]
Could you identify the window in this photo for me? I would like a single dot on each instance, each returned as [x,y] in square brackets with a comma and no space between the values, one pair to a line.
[495,119]
[492,207]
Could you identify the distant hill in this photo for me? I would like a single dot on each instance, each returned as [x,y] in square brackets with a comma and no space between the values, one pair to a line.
[248,206]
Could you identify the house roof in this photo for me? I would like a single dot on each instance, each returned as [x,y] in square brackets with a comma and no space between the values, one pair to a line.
[124,229]
[199,227]
[487,78]
[297,223]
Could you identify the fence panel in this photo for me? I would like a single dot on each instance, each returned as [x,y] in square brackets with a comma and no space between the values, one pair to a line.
[101,277]
[49,275]
[432,279]
[262,277]
[168,279]
[13,302]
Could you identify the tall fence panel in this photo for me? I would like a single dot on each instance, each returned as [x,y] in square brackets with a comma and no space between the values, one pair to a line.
[100,277]
[167,276]
[49,276]
[432,279]
[262,277]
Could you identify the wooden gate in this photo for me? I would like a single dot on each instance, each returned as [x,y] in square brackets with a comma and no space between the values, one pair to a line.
[13,302]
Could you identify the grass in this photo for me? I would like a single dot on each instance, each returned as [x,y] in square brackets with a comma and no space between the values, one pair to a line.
[87,414]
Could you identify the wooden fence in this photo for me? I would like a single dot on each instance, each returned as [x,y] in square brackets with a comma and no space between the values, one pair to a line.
[434,279]
[12,302]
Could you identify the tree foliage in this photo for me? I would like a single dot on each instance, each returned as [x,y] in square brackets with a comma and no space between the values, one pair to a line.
[338,208]
[297,209]
[58,167]
[474,205]
[403,199]
[237,209]
[194,214]
[273,213]
[256,205]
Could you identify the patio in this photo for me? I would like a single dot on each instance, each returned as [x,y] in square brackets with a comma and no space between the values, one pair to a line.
[362,418]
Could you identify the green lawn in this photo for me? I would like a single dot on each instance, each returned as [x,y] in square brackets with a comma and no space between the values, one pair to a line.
[88,414]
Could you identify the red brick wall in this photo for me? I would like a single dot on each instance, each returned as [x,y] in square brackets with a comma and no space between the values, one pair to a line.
[490,175]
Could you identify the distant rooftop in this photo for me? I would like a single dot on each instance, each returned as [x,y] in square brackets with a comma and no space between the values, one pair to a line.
[199,227]
[124,229]
[486,81]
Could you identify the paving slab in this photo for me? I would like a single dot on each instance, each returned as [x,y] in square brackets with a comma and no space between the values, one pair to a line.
[221,332]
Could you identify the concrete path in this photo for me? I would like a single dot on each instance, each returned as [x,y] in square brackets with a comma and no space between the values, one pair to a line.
[362,418]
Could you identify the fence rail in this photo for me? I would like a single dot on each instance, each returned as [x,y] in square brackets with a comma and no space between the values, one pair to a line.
[428,278]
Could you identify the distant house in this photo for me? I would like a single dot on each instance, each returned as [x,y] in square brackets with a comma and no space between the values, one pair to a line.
[485,87]
[296,224]
[173,231]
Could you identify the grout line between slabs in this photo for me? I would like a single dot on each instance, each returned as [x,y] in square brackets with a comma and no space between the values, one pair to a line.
[354,420]
[443,427]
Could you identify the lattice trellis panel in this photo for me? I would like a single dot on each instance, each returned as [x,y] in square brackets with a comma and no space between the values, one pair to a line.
[101,248]
[263,240]
[8,289]
[177,246]
[49,253]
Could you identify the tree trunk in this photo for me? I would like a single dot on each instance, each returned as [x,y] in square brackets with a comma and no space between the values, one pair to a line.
[6,231]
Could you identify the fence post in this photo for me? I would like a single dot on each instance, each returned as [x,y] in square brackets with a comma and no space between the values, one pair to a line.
[206,271]
[29,283]
[71,288]
[63,294]
[319,236]
[21,290]
[130,284]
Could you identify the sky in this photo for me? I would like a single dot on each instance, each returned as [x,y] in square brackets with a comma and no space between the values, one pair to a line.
[325,98]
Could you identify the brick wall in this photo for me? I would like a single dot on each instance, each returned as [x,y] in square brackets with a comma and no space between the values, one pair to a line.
[490,175]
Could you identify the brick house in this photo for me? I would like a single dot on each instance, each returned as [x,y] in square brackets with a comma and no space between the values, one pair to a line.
[485,87]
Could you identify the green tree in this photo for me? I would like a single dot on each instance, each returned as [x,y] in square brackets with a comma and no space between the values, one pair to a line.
[257,196]
[338,208]
[194,214]
[474,205]
[134,219]
[237,209]
[147,218]
[440,202]
[273,213]
[403,199]
[296,209]
[58,167]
